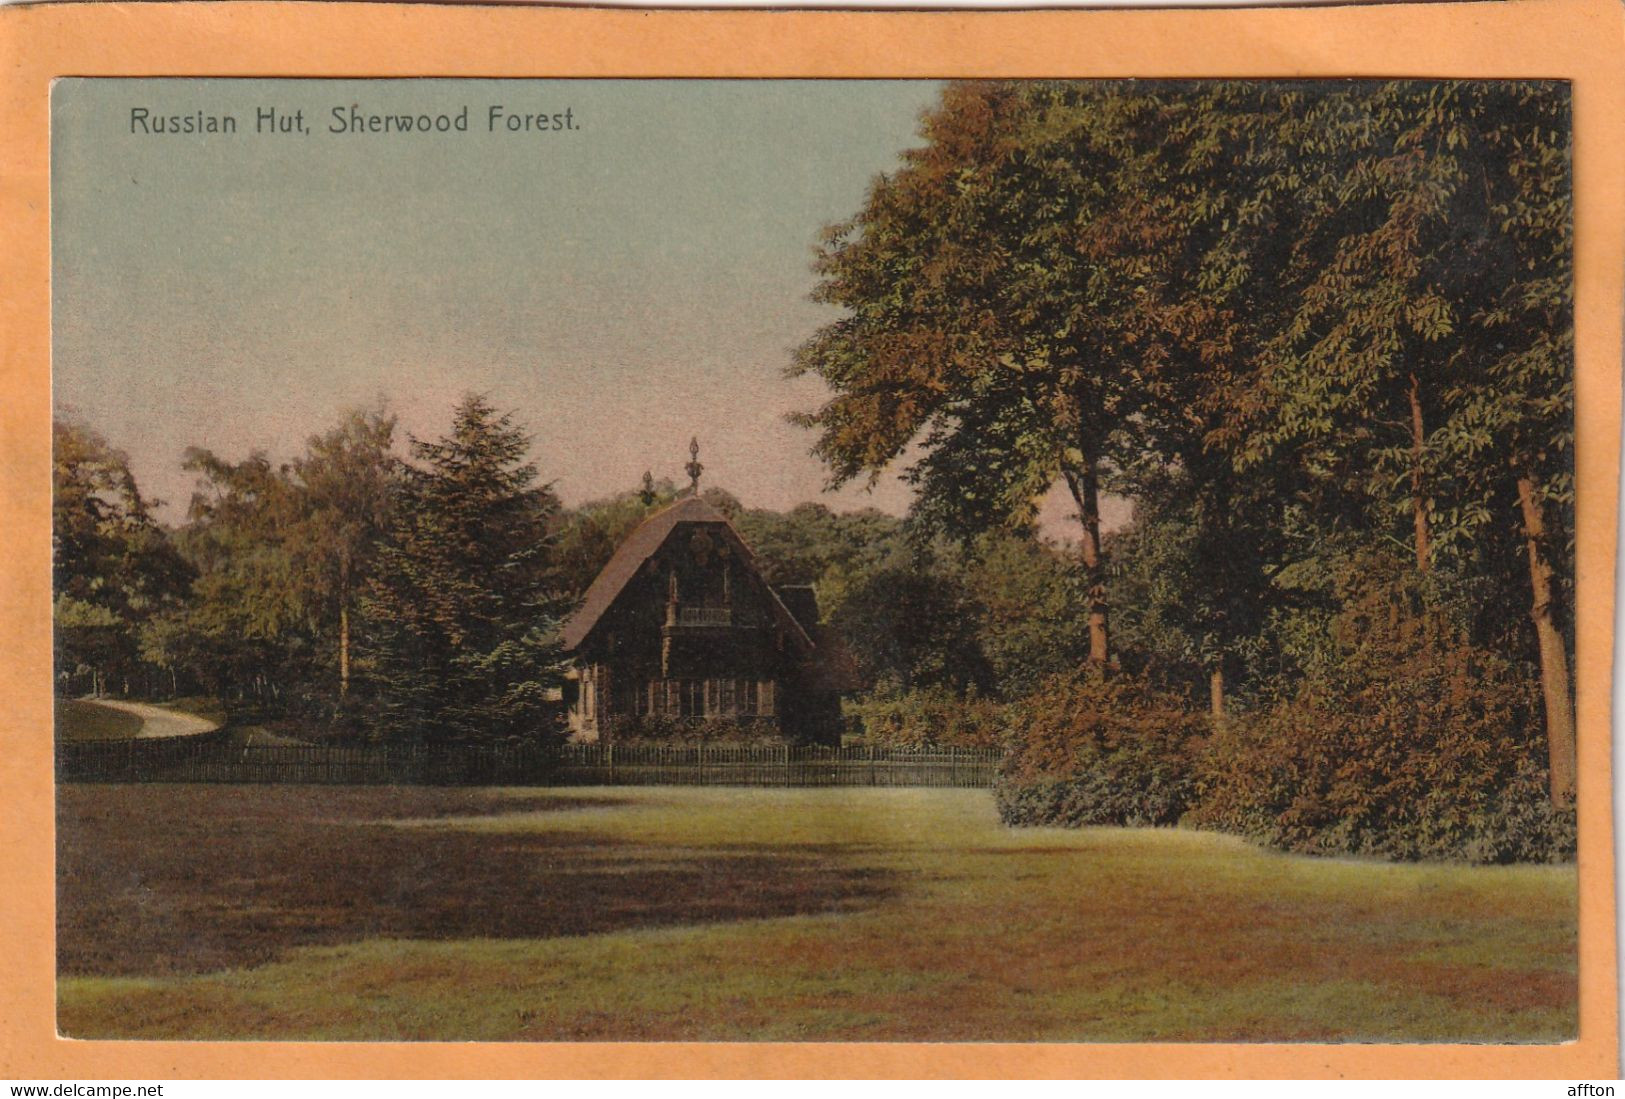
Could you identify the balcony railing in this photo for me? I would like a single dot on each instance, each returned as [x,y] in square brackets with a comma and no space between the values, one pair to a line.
[705,616]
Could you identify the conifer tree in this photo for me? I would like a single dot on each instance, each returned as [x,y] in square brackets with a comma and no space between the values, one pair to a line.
[461,612]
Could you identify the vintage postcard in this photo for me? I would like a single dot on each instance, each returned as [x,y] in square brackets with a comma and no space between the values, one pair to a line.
[1089,558]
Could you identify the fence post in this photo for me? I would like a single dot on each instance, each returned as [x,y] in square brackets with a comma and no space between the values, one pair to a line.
[953,766]
[610,754]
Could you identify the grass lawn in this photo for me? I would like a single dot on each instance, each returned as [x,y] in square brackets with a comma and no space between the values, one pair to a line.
[718,914]
[77,720]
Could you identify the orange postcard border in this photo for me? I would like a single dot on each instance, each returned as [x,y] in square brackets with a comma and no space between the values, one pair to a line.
[1576,40]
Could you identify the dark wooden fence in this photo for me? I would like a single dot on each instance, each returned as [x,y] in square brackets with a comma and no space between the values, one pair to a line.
[212,758]
[773,765]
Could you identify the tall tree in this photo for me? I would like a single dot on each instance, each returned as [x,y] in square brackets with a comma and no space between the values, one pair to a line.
[913,622]
[347,483]
[1429,351]
[281,553]
[462,611]
[114,569]
[954,341]
[1031,608]
[1345,299]
[810,544]
[254,627]
[1509,420]
[1040,295]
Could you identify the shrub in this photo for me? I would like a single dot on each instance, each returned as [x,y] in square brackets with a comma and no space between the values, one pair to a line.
[1092,750]
[1420,746]
[931,717]
[1521,824]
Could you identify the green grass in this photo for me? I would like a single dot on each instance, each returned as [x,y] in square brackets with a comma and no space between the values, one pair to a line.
[77,720]
[260,736]
[718,914]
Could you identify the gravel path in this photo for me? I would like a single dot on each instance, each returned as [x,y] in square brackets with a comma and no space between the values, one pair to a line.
[158,722]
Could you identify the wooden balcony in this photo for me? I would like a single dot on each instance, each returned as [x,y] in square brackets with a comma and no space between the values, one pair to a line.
[705,616]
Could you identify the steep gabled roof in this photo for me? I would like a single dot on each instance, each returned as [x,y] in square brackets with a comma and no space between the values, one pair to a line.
[639,546]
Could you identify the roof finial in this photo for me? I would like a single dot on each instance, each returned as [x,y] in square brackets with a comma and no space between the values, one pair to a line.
[694,468]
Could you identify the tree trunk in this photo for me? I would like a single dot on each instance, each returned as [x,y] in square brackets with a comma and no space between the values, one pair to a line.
[344,650]
[1215,692]
[1418,499]
[1085,489]
[1554,661]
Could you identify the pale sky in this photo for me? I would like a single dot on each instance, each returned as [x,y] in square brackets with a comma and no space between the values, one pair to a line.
[620,285]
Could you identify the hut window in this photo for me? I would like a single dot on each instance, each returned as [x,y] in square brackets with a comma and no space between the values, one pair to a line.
[693,697]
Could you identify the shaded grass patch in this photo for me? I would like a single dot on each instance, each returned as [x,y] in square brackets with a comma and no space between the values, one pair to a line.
[230,877]
[76,720]
[841,914]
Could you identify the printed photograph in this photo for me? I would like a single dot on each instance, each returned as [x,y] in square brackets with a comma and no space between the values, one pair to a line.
[814,560]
